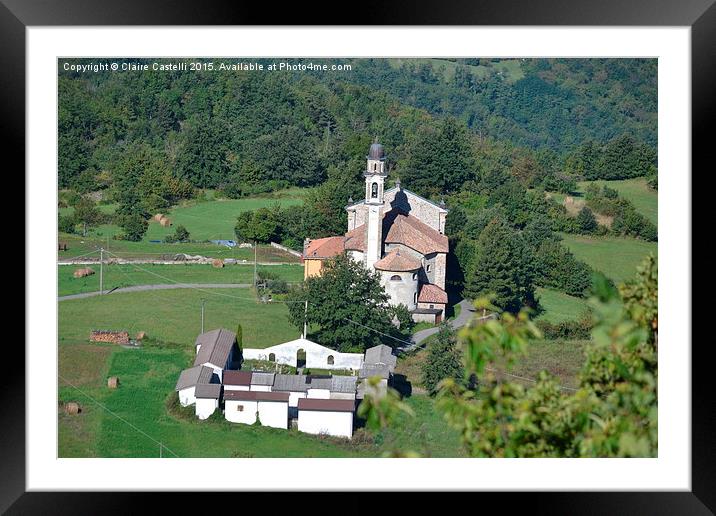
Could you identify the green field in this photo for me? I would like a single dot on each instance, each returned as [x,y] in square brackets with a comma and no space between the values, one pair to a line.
[561,358]
[559,307]
[147,379]
[616,257]
[175,316]
[212,219]
[644,199]
[116,275]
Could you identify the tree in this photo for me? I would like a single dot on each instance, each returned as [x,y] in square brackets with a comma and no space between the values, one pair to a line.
[346,304]
[239,336]
[134,227]
[181,234]
[586,220]
[87,214]
[502,268]
[444,360]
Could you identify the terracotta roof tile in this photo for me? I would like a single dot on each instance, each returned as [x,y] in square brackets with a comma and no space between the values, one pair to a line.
[355,239]
[394,261]
[323,248]
[430,293]
[409,231]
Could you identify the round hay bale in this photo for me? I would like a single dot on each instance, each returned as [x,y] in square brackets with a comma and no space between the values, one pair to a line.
[217,263]
[165,222]
[158,217]
[72,408]
[113,382]
[82,272]
[140,335]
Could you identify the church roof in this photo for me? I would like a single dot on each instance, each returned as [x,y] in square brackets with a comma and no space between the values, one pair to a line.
[355,239]
[323,248]
[396,262]
[440,207]
[430,293]
[409,231]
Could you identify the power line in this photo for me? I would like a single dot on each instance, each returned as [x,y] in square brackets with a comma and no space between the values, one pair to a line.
[162,445]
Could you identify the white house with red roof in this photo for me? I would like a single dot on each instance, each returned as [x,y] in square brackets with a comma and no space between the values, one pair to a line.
[397,233]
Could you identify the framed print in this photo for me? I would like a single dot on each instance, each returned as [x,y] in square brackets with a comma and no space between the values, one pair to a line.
[430,255]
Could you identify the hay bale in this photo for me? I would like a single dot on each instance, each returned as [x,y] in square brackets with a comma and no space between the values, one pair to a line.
[165,222]
[113,382]
[140,335]
[158,217]
[72,408]
[82,272]
[217,263]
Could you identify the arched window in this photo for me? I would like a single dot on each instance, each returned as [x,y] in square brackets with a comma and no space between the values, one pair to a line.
[375,166]
[329,360]
[415,276]
[427,268]
[396,277]
[415,297]
[374,190]
[272,357]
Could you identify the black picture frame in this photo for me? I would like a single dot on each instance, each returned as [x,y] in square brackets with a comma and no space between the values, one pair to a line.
[700,15]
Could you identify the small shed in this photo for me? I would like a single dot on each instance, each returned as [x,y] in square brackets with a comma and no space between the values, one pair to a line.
[189,379]
[207,399]
[237,380]
[244,406]
[326,417]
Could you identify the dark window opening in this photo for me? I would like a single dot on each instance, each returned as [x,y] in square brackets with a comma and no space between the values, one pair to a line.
[374,190]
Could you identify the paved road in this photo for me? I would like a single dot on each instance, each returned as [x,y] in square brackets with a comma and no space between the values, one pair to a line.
[167,286]
[466,312]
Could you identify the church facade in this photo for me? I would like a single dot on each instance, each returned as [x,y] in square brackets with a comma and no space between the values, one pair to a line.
[397,233]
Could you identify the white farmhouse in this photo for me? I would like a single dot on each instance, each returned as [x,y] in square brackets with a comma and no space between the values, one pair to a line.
[271,408]
[189,379]
[207,399]
[328,417]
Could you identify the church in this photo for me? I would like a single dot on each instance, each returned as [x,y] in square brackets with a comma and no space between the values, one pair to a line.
[397,233]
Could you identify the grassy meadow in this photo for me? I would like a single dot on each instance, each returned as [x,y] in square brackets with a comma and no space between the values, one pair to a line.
[174,316]
[616,257]
[558,306]
[125,275]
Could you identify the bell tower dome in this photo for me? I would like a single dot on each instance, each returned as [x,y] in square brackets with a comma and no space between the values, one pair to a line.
[375,174]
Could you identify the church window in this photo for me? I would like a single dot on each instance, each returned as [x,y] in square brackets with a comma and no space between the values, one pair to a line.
[374,190]
[427,268]
[415,297]
[330,360]
[396,277]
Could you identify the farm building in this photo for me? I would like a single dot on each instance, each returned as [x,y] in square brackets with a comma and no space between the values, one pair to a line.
[244,406]
[188,381]
[207,399]
[329,417]
[216,349]
[321,404]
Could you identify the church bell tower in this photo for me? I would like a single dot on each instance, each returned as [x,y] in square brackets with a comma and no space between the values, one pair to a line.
[375,175]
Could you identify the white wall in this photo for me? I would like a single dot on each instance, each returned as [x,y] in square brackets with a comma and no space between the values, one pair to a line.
[186,396]
[205,407]
[246,416]
[402,291]
[274,414]
[322,394]
[236,387]
[343,396]
[261,388]
[331,423]
[293,398]
[316,355]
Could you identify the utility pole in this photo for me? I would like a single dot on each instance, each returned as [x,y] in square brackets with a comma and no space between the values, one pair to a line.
[255,255]
[101,271]
[305,319]
[160,450]
[202,315]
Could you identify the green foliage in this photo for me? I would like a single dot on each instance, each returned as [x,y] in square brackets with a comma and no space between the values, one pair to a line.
[346,304]
[261,225]
[586,221]
[579,329]
[66,223]
[239,336]
[627,220]
[181,234]
[444,360]
[134,226]
[558,268]
[503,267]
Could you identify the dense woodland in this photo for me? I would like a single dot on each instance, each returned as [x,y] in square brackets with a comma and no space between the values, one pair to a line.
[489,137]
